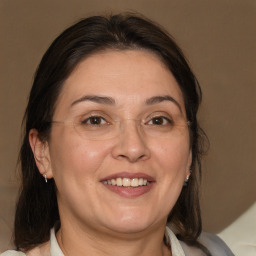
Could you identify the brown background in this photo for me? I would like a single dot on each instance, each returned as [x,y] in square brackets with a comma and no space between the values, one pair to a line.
[219,39]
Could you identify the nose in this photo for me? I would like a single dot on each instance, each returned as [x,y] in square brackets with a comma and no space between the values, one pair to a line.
[131,144]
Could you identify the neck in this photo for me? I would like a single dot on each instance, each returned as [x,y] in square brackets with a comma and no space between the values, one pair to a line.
[77,240]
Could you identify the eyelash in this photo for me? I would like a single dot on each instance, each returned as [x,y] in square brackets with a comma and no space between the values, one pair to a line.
[168,120]
[88,121]
[85,121]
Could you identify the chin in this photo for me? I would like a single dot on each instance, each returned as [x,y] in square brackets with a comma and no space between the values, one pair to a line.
[131,223]
[128,228]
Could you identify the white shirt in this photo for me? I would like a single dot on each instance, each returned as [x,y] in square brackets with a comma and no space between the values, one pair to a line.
[214,244]
[240,236]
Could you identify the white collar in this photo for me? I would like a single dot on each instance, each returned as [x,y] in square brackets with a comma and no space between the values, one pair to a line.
[54,246]
[170,236]
[174,243]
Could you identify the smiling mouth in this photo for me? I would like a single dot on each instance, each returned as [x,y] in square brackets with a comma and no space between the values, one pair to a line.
[127,182]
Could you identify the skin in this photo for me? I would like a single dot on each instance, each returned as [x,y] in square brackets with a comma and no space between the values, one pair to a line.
[94,220]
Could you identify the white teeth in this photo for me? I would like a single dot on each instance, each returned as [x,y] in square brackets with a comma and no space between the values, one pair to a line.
[119,182]
[134,182]
[127,182]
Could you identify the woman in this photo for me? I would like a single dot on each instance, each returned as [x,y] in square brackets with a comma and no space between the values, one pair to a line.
[111,154]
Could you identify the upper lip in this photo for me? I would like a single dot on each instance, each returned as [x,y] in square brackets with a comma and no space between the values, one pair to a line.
[129,175]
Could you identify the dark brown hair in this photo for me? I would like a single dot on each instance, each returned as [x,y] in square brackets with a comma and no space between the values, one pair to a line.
[37,209]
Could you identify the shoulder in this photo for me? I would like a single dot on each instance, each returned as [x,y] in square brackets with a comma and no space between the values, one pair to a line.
[41,250]
[215,244]
[12,253]
[212,242]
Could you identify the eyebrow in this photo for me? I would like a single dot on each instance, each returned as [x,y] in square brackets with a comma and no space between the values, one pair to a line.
[159,99]
[111,101]
[96,99]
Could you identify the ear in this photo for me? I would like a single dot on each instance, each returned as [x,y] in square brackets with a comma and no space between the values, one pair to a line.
[41,153]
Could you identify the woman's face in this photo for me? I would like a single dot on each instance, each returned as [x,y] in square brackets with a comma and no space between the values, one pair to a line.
[134,91]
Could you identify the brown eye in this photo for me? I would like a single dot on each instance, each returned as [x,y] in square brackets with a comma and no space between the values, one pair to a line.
[159,120]
[94,120]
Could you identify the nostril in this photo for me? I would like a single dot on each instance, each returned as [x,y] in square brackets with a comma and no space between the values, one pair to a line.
[132,153]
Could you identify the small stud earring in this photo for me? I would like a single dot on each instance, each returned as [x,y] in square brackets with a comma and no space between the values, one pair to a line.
[187,178]
[186,181]
[45,178]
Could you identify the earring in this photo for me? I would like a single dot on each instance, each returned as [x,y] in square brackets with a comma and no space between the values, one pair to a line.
[45,178]
[187,178]
[186,181]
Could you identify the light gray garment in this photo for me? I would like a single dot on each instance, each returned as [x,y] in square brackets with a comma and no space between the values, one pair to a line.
[212,242]
[216,246]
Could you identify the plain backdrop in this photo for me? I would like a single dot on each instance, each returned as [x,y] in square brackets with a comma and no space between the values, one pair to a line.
[219,39]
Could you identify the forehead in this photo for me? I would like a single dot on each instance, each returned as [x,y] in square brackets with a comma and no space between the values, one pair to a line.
[128,76]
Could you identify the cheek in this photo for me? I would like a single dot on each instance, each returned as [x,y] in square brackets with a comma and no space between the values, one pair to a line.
[172,159]
[75,157]
[169,159]
[172,155]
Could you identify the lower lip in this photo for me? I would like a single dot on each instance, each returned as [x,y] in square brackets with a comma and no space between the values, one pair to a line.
[130,192]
